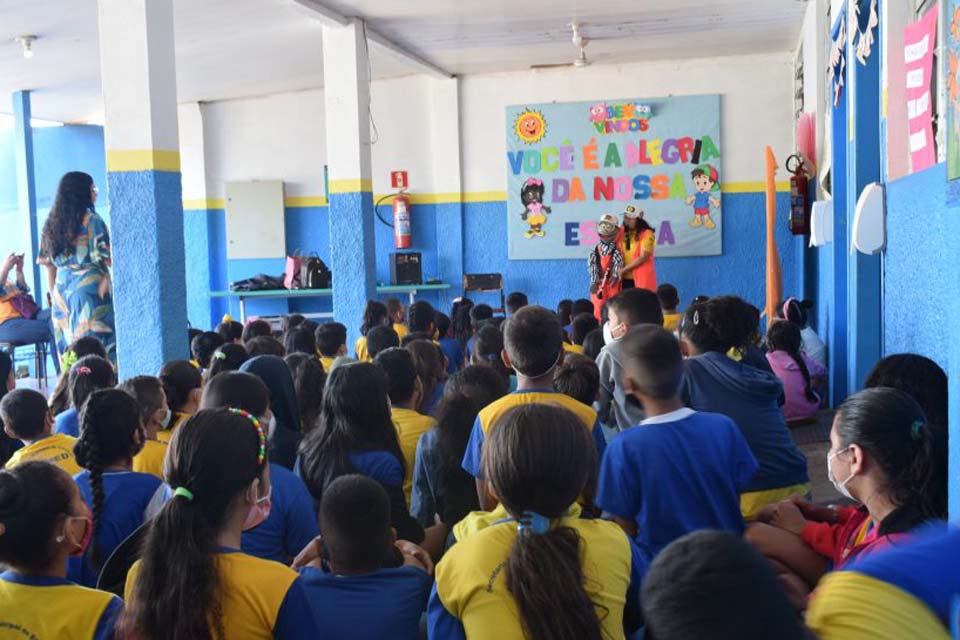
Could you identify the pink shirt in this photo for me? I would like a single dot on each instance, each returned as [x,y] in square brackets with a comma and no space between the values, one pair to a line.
[797,405]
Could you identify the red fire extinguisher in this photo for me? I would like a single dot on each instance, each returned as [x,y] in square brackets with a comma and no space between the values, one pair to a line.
[402,228]
[799,206]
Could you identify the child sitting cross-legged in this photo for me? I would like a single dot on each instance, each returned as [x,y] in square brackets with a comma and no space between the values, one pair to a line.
[678,471]
[331,343]
[352,594]
[26,418]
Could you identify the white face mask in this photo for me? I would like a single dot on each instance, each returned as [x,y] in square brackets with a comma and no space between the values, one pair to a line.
[607,334]
[841,487]
[165,423]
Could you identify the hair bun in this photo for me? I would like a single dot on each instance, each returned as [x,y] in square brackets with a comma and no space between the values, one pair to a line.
[11,494]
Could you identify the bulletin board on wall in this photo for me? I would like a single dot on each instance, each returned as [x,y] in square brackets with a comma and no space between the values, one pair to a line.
[255,220]
[569,163]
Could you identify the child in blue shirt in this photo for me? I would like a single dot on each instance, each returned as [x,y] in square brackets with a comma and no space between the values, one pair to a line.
[111,435]
[679,470]
[86,376]
[451,348]
[350,591]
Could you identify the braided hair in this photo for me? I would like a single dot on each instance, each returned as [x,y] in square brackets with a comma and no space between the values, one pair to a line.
[785,336]
[108,422]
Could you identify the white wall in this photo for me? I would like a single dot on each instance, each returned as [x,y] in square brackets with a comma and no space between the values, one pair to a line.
[755,107]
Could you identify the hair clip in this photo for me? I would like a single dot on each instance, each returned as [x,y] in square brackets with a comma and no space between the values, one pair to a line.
[915,430]
[84,370]
[226,318]
[184,493]
[219,355]
[261,436]
[696,317]
[69,359]
[532,522]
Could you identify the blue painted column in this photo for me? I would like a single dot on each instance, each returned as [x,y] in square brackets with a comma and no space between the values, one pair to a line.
[26,191]
[864,279]
[837,339]
[143,175]
[347,114]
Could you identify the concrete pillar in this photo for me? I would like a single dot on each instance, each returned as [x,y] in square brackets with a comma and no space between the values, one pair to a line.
[347,105]
[448,181]
[26,191]
[138,78]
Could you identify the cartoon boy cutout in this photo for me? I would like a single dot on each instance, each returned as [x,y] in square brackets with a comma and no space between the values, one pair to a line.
[706,181]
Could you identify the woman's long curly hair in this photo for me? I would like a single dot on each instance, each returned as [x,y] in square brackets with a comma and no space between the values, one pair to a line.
[74,198]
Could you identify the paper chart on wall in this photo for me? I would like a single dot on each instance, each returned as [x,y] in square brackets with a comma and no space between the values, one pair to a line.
[919,40]
[569,163]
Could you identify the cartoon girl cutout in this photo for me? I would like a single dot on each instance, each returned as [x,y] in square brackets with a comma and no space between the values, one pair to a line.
[534,211]
[706,180]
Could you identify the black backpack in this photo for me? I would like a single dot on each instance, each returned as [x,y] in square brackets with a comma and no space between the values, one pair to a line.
[314,274]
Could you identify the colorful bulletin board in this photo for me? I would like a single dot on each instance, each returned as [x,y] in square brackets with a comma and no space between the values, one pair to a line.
[952,68]
[569,163]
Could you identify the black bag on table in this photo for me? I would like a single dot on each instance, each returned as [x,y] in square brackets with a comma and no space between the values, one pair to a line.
[314,274]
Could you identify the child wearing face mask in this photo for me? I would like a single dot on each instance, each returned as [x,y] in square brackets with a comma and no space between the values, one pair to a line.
[884,455]
[111,436]
[44,520]
[155,415]
[220,478]
[628,309]
[291,523]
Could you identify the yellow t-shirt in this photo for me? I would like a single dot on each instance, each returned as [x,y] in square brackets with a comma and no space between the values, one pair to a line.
[361,350]
[494,411]
[401,329]
[327,363]
[410,426]
[572,348]
[56,448]
[472,588]
[166,435]
[46,607]
[671,321]
[150,458]
[252,590]
[647,243]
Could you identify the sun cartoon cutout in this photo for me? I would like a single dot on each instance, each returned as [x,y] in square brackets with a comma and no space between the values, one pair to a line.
[530,126]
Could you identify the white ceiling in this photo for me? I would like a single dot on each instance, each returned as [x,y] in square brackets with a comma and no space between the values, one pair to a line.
[234,48]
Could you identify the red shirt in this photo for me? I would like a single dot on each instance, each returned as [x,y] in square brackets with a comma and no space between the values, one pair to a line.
[853,534]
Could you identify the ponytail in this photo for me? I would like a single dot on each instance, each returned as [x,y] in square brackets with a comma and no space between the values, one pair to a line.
[179,378]
[86,376]
[785,336]
[926,476]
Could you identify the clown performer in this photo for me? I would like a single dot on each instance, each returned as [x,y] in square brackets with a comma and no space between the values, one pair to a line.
[706,180]
[605,263]
[637,240]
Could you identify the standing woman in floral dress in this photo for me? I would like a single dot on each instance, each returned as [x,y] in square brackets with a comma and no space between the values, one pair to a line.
[75,249]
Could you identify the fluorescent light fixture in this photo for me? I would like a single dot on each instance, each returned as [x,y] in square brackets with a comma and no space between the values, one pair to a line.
[26,43]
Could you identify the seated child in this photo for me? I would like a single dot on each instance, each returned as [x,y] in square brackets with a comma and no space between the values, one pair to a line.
[203,346]
[352,594]
[300,339]
[230,330]
[406,390]
[593,344]
[86,376]
[451,348]
[630,308]
[431,367]
[905,591]
[541,568]
[801,376]
[680,470]
[219,475]
[488,352]
[919,377]
[182,385]
[381,338]
[228,357]
[579,328]
[154,415]
[26,418]
[716,383]
[81,347]
[578,377]
[308,382]
[669,301]
[44,522]
[516,301]
[565,314]
[397,316]
[291,321]
[331,343]
[421,322]
[374,315]
[291,523]
[265,346]
[533,346]
[479,315]
[712,584]
[796,312]
[255,329]
[440,486]
[884,455]
[110,437]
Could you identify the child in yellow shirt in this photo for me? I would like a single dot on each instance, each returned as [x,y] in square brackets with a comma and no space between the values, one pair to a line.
[26,417]
[155,415]
[397,315]
[374,315]
[669,301]
[331,343]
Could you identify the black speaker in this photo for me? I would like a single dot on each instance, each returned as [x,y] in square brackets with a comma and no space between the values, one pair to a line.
[482,281]
[406,268]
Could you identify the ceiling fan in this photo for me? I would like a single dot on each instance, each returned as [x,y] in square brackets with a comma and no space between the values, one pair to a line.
[581,45]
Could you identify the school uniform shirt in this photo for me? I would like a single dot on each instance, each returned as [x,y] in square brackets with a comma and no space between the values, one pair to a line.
[401,330]
[260,598]
[386,603]
[46,607]
[67,423]
[450,493]
[454,352]
[56,448]
[905,591]
[126,496]
[617,409]
[489,415]
[292,523]
[166,435]
[150,459]
[471,600]
[361,350]
[327,363]
[797,406]
[671,321]
[749,396]
[435,397]
[572,348]
[674,474]
[386,469]
[410,426]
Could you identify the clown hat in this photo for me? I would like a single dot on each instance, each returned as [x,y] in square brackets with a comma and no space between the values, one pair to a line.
[632,212]
[607,224]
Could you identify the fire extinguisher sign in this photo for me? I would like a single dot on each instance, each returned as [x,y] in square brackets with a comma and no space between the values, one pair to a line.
[398,179]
